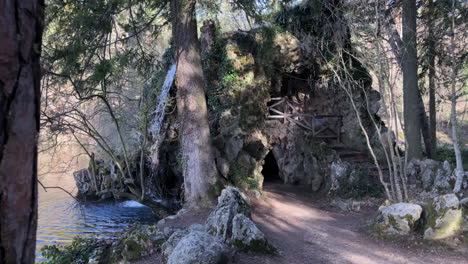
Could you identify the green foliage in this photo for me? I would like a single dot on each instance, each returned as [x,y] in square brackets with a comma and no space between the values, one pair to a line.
[80,251]
[242,177]
[87,41]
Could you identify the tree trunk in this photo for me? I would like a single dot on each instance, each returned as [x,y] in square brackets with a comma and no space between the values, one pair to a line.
[431,63]
[410,81]
[459,170]
[425,127]
[21,24]
[200,174]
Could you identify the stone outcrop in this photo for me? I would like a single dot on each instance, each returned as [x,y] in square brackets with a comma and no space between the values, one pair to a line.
[431,175]
[228,225]
[247,236]
[444,217]
[84,182]
[231,222]
[397,219]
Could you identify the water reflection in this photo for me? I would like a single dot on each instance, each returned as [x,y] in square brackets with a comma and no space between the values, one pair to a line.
[61,218]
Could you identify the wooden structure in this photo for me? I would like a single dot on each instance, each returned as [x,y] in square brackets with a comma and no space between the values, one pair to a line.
[321,126]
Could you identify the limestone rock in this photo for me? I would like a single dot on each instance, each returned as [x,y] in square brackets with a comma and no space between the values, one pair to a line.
[432,175]
[347,205]
[339,172]
[231,223]
[397,219]
[444,177]
[83,183]
[230,203]
[233,147]
[138,242]
[199,248]
[247,236]
[223,166]
[444,217]
[172,242]
[233,198]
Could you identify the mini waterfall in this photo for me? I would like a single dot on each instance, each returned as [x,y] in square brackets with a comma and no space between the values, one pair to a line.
[159,112]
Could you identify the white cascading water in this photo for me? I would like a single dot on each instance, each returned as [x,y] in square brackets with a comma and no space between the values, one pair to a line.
[159,112]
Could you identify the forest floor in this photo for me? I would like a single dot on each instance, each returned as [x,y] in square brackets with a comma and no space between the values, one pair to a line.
[305,230]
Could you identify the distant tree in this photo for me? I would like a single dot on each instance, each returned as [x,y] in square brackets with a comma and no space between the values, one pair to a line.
[430,41]
[21,25]
[410,80]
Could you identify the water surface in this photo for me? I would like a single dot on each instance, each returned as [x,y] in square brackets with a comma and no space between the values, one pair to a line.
[61,218]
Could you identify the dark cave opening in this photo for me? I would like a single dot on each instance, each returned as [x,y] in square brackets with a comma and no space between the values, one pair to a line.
[270,169]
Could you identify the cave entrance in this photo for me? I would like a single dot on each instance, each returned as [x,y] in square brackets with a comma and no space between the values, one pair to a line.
[270,169]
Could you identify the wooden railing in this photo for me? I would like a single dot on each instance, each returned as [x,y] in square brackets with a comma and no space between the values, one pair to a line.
[321,126]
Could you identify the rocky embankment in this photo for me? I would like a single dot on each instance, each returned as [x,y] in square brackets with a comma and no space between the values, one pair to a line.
[228,229]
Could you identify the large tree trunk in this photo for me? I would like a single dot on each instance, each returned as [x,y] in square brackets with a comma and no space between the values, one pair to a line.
[397,47]
[21,24]
[410,81]
[200,174]
[431,64]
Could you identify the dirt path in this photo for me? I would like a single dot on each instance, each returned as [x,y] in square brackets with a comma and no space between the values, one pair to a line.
[305,231]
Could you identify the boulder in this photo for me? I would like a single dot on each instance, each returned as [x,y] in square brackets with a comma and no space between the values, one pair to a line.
[199,248]
[230,203]
[444,217]
[176,236]
[397,219]
[138,242]
[171,243]
[247,236]
[231,223]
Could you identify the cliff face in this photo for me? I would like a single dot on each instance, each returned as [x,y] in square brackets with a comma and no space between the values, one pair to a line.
[249,73]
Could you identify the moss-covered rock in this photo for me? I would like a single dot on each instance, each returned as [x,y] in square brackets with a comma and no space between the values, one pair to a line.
[444,217]
[397,219]
[138,242]
[246,236]
[174,239]
[199,247]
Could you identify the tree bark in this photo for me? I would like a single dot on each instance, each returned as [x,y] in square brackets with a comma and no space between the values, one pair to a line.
[21,24]
[425,127]
[397,47]
[200,173]
[410,81]
[459,170]
[431,64]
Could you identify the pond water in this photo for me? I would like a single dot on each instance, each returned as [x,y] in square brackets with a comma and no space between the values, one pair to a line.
[61,218]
